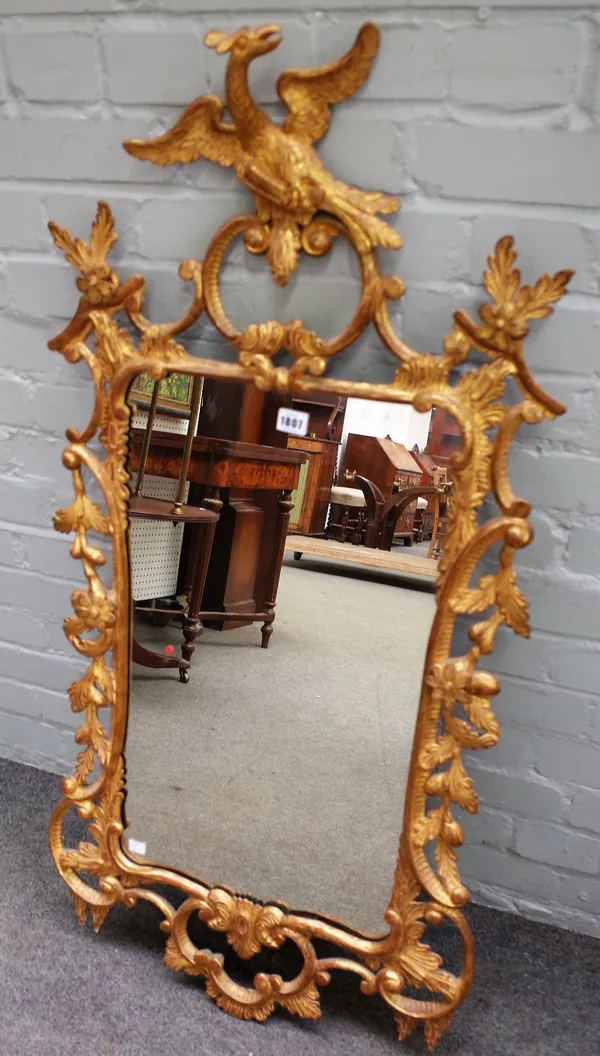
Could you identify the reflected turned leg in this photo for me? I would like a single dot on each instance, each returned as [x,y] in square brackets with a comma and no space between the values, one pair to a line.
[345,516]
[285,504]
[212,500]
[436,522]
[201,543]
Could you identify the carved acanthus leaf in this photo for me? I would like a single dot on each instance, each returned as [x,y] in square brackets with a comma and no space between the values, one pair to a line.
[500,279]
[82,512]
[434,1028]
[175,959]
[249,926]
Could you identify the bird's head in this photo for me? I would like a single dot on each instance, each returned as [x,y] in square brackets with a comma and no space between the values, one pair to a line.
[245,43]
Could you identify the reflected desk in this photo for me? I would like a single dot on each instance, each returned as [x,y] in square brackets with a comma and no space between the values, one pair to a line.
[250,485]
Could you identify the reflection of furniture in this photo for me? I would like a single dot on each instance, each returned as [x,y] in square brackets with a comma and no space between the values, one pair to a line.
[202,524]
[397,560]
[325,424]
[353,518]
[390,467]
[325,415]
[348,517]
[311,497]
[444,435]
[395,510]
[253,485]
[440,522]
[423,523]
[376,523]
[432,475]
[384,515]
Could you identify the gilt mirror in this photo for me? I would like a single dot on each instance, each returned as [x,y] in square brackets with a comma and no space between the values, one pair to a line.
[274,720]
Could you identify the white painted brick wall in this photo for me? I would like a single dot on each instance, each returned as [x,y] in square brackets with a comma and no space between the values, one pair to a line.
[486,120]
[497,67]
[53,67]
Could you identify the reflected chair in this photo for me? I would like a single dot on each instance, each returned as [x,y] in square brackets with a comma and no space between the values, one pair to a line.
[203,523]
[375,523]
[348,516]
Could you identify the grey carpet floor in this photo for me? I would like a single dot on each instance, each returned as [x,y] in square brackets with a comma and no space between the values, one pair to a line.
[282,772]
[66,992]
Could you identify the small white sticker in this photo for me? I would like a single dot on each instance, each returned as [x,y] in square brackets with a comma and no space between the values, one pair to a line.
[292,421]
[137,846]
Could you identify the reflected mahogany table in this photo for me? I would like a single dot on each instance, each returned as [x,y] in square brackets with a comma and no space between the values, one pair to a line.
[250,486]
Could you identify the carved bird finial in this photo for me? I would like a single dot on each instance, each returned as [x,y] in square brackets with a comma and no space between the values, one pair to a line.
[278,162]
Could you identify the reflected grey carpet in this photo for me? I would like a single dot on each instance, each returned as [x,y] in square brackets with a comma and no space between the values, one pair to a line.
[281,772]
[65,991]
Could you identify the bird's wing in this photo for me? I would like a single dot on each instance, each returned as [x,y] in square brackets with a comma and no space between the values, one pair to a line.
[308,94]
[199,133]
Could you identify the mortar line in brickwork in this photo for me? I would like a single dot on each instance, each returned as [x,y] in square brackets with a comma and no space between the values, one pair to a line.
[524,682]
[59,727]
[154,14]
[145,192]
[591,645]
[29,529]
[72,670]
[59,694]
[60,582]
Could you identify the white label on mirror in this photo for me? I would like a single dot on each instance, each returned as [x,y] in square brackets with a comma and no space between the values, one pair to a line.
[292,421]
[137,846]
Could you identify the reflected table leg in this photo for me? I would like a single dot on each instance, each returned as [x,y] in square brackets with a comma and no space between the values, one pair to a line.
[285,505]
[202,540]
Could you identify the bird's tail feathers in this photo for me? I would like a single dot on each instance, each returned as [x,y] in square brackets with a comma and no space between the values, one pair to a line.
[380,233]
[367,201]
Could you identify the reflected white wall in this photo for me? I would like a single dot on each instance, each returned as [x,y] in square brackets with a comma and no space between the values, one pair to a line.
[398,420]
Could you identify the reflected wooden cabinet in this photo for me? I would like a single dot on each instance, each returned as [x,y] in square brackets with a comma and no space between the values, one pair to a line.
[389,466]
[311,497]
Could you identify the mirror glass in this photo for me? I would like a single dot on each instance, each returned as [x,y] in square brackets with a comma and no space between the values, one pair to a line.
[279,771]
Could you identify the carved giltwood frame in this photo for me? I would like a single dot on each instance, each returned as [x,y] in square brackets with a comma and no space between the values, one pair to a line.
[454,709]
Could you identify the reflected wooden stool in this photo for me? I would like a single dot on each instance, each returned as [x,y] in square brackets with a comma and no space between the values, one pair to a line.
[204,523]
[348,514]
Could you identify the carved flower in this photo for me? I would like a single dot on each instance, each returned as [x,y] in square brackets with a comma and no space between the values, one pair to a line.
[450,678]
[505,321]
[457,676]
[96,612]
[98,283]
